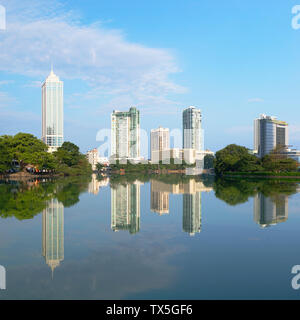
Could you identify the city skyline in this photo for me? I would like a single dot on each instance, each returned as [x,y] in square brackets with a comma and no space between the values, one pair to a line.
[146,74]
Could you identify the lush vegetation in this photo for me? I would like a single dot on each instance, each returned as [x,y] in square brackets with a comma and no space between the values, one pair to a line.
[237,159]
[148,167]
[235,192]
[27,150]
[209,160]
[25,200]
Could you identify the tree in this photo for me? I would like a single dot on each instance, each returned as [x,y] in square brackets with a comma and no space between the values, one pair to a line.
[209,161]
[68,154]
[274,163]
[25,146]
[5,156]
[236,158]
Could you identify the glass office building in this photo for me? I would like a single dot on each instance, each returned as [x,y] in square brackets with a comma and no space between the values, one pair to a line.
[269,133]
[52,112]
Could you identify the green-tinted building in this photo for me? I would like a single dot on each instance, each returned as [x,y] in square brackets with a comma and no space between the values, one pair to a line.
[125,134]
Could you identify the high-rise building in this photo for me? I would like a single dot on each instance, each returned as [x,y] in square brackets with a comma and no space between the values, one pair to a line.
[269,133]
[192,129]
[53,233]
[125,207]
[191,219]
[125,134]
[52,112]
[269,211]
[160,142]
[93,158]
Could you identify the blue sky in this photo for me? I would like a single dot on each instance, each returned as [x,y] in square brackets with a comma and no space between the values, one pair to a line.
[233,59]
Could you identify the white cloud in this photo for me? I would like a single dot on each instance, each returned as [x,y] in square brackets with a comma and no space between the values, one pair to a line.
[6,100]
[255,100]
[37,36]
[33,84]
[6,82]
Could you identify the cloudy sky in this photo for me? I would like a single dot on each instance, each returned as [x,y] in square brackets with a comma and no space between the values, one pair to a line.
[234,59]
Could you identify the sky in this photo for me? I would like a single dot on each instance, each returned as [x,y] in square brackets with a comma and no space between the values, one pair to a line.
[233,59]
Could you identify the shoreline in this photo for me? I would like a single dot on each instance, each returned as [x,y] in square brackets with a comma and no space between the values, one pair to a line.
[259,176]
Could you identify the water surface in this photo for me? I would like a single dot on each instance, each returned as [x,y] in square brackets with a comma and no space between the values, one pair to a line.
[154,237]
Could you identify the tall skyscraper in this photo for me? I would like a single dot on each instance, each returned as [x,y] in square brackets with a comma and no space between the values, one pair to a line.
[270,211]
[192,129]
[269,133]
[125,207]
[125,134]
[52,112]
[53,233]
[160,142]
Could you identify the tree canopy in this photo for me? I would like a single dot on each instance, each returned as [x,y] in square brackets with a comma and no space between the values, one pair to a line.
[29,150]
[236,158]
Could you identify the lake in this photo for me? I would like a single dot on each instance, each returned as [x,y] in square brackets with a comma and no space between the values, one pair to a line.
[149,237]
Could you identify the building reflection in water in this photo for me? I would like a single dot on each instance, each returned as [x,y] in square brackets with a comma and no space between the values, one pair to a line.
[191,217]
[53,233]
[270,210]
[159,197]
[125,207]
[191,191]
[95,185]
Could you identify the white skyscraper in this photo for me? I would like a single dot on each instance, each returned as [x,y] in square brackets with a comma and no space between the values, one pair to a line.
[52,112]
[125,134]
[269,133]
[192,129]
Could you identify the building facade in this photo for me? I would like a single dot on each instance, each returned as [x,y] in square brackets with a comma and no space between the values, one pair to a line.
[160,141]
[125,134]
[269,133]
[52,112]
[192,129]
[93,158]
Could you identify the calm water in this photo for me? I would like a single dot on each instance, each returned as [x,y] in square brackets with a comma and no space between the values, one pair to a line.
[161,237]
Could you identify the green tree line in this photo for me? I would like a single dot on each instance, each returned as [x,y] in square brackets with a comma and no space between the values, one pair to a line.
[28,150]
[236,158]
